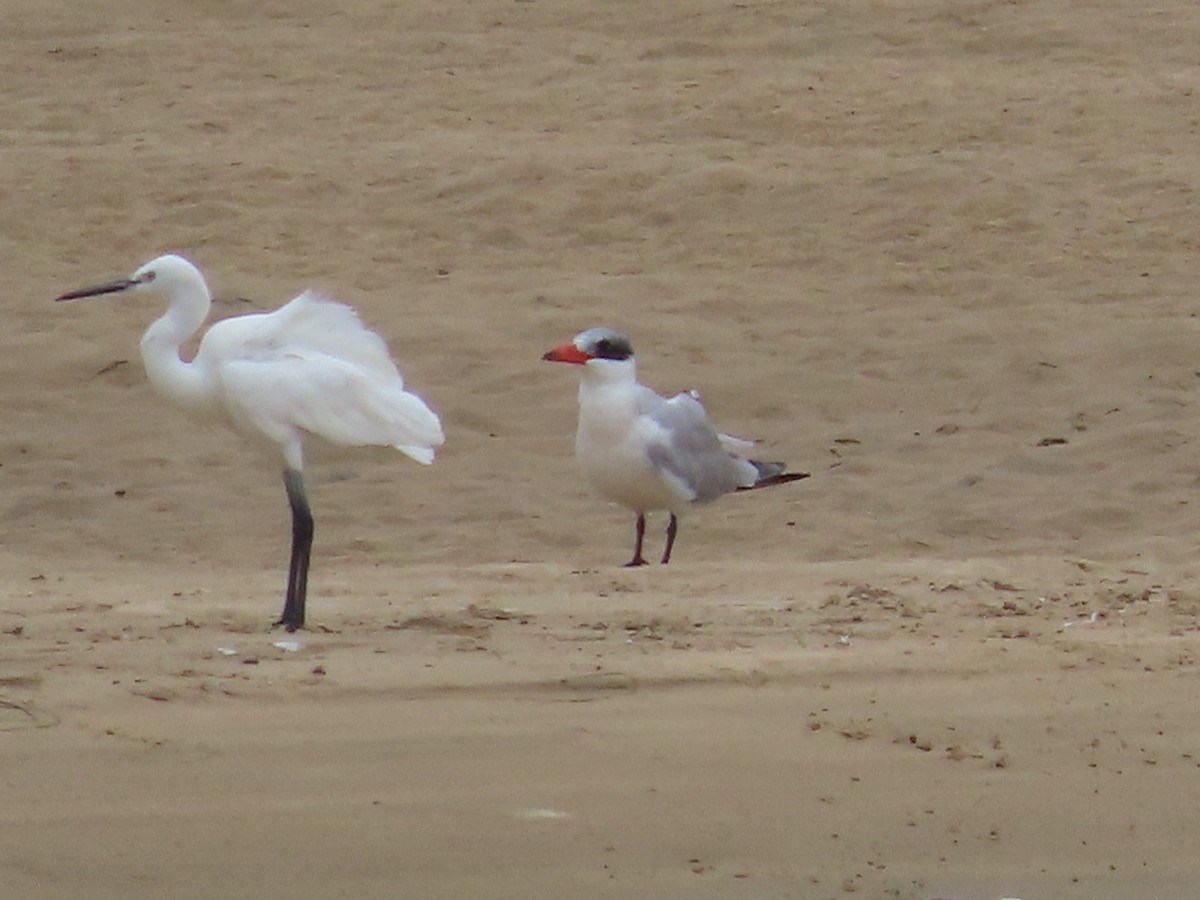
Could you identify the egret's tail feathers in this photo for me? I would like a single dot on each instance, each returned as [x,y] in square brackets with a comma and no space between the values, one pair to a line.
[771,473]
[423,455]
[410,424]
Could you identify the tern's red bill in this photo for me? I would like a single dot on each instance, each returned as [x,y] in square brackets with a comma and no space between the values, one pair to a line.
[567,353]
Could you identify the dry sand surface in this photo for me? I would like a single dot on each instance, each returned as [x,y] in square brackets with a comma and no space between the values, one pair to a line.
[942,254]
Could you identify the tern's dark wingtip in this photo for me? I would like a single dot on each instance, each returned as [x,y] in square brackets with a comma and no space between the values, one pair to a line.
[780,478]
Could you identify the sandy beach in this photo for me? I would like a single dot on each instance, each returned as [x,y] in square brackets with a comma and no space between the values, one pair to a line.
[941,255]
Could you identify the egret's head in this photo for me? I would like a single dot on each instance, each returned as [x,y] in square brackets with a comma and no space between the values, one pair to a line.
[166,273]
[163,275]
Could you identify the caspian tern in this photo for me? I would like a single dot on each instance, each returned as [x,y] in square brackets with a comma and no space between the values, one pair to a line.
[646,452]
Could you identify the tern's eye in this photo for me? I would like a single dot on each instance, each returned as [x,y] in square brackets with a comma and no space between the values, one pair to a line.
[148,277]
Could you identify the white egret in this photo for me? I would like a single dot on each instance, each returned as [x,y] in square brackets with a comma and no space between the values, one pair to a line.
[308,368]
[646,452]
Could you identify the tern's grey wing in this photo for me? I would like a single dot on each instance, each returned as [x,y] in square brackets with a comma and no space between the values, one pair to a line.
[686,445]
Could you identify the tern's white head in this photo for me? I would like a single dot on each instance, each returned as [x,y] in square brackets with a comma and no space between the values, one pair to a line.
[605,352]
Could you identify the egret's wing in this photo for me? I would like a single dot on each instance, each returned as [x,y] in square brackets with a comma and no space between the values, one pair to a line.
[682,442]
[309,322]
[338,400]
[312,366]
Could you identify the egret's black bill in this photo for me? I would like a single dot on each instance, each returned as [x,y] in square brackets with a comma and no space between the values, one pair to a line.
[111,287]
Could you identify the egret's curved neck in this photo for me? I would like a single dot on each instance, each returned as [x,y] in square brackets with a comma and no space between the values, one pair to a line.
[175,379]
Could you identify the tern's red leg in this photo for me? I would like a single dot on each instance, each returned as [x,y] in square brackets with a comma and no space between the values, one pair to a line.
[638,560]
[672,527]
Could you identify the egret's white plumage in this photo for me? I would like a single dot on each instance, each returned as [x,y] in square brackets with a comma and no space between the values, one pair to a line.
[308,368]
[648,452]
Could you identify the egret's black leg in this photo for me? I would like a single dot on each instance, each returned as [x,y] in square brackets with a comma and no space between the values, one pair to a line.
[302,538]
[638,560]
[672,527]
